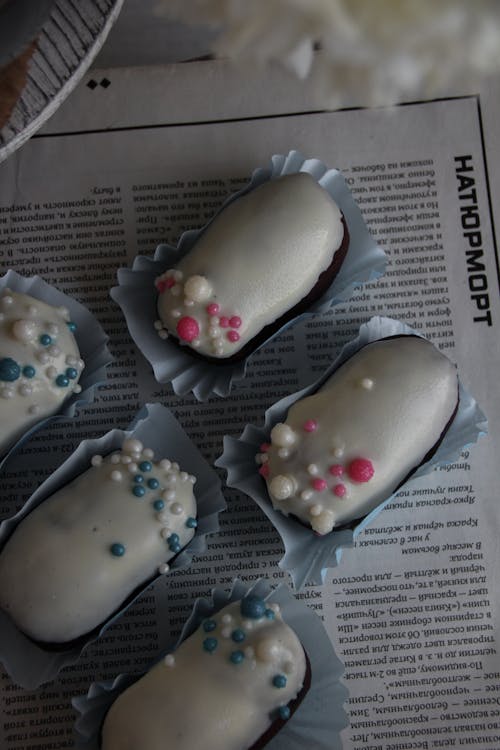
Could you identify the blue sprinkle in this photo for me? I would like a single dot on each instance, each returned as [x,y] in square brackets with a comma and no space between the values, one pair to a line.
[238,635]
[279,681]
[62,381]
[174,547]
[117,549]
[138,491]
[9,370]
[191,523]
[236,657]
[71,373]
[209,625]
[173,538]
[72,326]
[29,371]
[145,466]
[153,483]
[45,339]
[284,712]
[210,644]
[253,607]
[269,614]
[139,478]
[158,505]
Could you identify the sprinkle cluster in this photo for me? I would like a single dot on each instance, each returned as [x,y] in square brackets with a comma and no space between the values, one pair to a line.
[227,635]
[197,313]
[155,484]
[44,355]
[338,477]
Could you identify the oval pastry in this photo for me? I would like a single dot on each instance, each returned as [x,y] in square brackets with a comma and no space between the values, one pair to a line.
[264,259]
[40,363]
[77,556]
[230,684]
[349,446]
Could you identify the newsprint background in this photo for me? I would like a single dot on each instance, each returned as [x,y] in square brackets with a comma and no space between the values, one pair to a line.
[413,609]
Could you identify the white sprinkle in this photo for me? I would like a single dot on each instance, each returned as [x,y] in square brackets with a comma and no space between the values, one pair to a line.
[25,390]
[7,301]
[176,313]
[158,324]
[315,510]
[148,453]
[214,333]
[367,384]
[131,445]
[248,624]
[192,479]
[313,470]
[183,476]
[176,509]
[96,460]
[32,309]
[175,466]
[53,329]
[54,350]
[125,459]
[116,476]
[189,302]
[213,320]
[338,451]
[115,458]
[282,487]
[163,517]
[132,467]
[274,606]
[165,533]
[162,569]
[172,479]
[43,357]
[24,330]
[81,364]
[226,632]
[168,495]
[284,453]
[306,494]
[163,334]
[227,618]
[178,275]
[165,464]
[169,659]
[51,371]
[196,343]
[283,436]
[72,361]
[77,388]
[7,392]
[63,312]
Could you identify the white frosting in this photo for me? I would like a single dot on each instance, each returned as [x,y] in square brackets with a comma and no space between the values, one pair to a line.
[60,573]
[259,258]
[383,409]
[199,699]
[26,322]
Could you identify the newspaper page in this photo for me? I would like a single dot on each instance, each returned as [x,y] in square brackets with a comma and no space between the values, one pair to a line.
[413,608]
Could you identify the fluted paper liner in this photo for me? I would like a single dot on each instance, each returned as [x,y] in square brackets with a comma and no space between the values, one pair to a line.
[318,720]
[30,664]
[307,555]
[91,340]
[170,360]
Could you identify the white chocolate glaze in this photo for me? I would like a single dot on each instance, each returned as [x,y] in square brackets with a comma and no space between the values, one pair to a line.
[75,558]
[351,444]
[199,698]
[37,352]
[259,258]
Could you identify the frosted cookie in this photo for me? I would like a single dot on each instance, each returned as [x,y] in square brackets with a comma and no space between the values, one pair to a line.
[230,686]
[350,445]
[40,364]
[263,260]
[75,558]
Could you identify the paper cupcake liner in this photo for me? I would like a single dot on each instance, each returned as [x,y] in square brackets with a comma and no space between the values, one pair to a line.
[91,340]
[171,362]
[320,717]
[308,556]
[30,664]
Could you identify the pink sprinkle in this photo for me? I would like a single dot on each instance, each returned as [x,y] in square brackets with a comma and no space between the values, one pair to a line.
[319,484]
[213,308]
[264,470]
[339,490]
[235,321]
[336,470]
[233,336]
[310,425]
[224,322]
[169,282]
[161,285]
[265,447]
[360,470]
[188,328]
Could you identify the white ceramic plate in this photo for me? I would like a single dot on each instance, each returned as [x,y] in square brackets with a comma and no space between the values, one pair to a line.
[69,39]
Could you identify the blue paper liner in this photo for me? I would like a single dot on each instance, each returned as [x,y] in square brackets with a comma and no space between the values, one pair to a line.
[91,340]
[29,664]
[365,261]
[318,721]
[308,556]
